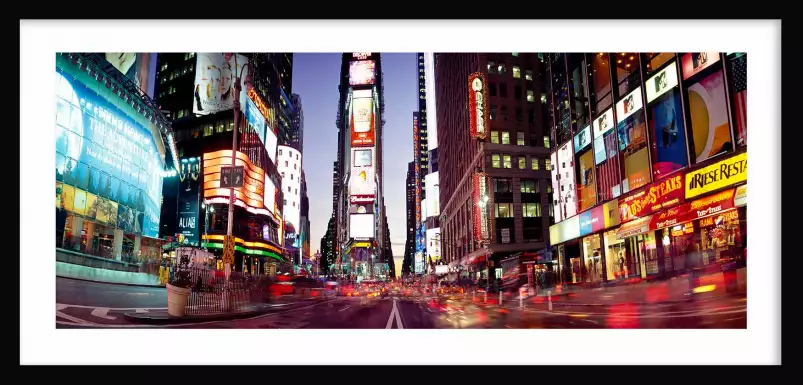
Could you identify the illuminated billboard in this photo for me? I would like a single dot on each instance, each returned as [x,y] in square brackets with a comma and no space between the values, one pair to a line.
[251,196]
[361,225]
[565,195]
[362,122]
[140,68]
[255,119]
[214,82]
[104,152]
[434,244]
[270,195]
[188,199]
[362,72]
[478,105]
[362,181]
[481,204]
[433,194]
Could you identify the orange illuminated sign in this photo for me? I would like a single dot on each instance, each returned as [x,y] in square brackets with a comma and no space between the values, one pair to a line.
[251,194]
[657,196]
[261,106]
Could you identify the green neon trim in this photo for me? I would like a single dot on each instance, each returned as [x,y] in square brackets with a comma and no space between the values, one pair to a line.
[216,245]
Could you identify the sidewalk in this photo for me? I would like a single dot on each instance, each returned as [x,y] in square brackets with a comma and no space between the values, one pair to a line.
[250,310]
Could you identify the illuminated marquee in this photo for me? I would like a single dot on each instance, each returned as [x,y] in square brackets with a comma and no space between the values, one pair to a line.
[659,195]
[478,104]
[261,106]
[361,55]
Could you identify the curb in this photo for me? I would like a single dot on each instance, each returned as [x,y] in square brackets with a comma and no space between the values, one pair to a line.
[111,283]
[168,319]
[685,300]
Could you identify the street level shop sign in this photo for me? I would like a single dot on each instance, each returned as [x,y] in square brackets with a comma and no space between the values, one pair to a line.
[713,177]
[697,209]
[231,176]
[659,195]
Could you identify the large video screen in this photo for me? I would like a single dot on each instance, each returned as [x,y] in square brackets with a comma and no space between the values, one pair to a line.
[102,151]
[361,225]
[362,72]
[255,118]
[566,193]
[632,133]
[708,107]
[362,122]
[668,137]
[214,82]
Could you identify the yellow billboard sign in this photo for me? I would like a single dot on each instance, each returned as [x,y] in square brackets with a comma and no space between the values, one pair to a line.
[716,176]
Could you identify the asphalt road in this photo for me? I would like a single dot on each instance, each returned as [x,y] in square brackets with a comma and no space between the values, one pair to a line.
[87,304]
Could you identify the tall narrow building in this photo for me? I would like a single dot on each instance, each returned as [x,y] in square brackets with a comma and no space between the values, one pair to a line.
[360,217]
[492,121]
[408,263]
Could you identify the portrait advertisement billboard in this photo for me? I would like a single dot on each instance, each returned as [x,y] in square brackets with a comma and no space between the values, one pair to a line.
[553,158]
[668,139]
[586,183]
[632,132]
[188,199]
[434,243]
[362,177]
[362,122]
[708,107]
[362,73]
[102,149]
[214,82]
[567,191]
[139,67]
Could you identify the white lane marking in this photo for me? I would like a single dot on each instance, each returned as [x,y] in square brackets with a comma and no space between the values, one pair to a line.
[111,308]
[61,306]
[74,319]
[390,318]
[142,310]
[101,313]
[139,293]
[345,308]
[591,320]
[399,323]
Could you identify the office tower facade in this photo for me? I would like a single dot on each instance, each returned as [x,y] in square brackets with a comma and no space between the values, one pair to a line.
[202,117]
[409,245]
[493,183]
[360,213]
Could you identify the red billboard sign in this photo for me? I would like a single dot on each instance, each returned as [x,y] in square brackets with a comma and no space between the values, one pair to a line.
[696,209]
[657,196]
[478,105]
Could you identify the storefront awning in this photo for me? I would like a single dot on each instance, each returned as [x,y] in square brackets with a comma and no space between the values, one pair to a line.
[635,227]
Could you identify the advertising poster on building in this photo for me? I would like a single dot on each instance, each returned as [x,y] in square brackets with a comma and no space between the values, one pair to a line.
[708,107]
[214,82]
[555,187]
[362,72]
[362,122]
[255,119]
[713,177]
[582,139]
[668,135]
[694,62]
[140,68]
[251,195]
[659,195]
[608,166]
[566,192]
[188,199]
[737,71]
[586,183]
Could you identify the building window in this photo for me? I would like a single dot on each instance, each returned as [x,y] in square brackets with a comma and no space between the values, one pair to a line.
[502,185]
[522,162]
[551,210]
[289,189]
[501,68]
[491,67]
[503,91]
[548,164]
[528,74]
[515,54]
[503,210]
[492,116]
[291,178]
[297,157]
[506,161]
[549,189]
[286,164]
[534,164]
[520,138]
[531,210]
[209,129]
[231,126]
[492,89]
[495,137]
[531,116]
[529,186]
[505,137]
[516,72]
[546,143]
[495,163]
[504,113]
[517,92]
[280,151]
[530,96]
[519,115]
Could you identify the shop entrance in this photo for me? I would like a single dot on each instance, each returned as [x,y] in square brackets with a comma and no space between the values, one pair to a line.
[592,259]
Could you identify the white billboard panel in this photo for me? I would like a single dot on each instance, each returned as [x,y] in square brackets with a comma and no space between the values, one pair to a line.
[433,194]
[361,226]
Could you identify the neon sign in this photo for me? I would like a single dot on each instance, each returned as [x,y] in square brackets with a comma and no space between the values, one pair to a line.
[261,106]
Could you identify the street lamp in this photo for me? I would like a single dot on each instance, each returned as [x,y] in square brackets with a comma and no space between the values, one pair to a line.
[237,89]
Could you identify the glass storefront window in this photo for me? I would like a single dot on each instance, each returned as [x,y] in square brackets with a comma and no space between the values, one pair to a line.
[627,74]
[601,96]
[592,261]
[578,71]
[619,265]
[721,238]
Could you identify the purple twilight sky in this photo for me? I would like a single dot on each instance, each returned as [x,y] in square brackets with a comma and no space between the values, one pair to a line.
[315,79]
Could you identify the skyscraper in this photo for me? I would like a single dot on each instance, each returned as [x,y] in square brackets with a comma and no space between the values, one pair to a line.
[492,122]
[360,217]
[409,245]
